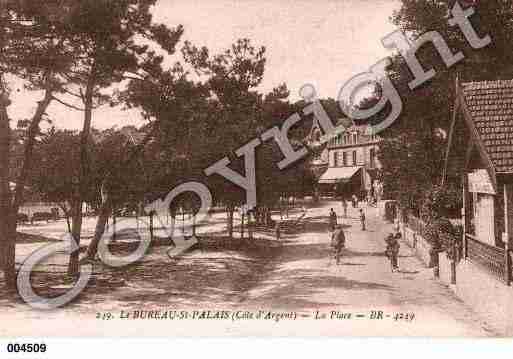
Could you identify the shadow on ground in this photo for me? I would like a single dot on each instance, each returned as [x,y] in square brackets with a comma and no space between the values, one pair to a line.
[297,288]
[218,271]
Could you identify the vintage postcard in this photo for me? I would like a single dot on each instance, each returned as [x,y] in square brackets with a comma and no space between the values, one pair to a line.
[255,168]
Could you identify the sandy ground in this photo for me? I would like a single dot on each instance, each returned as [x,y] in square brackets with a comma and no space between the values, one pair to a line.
[306,292]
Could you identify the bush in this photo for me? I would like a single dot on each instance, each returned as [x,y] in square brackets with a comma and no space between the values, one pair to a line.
[440,233]
[430,234]
[440,202]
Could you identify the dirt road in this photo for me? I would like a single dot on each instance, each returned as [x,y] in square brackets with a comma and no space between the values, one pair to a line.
[291,288]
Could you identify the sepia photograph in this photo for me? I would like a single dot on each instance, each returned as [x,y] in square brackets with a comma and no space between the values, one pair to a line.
[246,168]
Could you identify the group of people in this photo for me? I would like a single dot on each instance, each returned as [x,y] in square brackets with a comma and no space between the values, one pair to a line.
[338,238]
[355,201]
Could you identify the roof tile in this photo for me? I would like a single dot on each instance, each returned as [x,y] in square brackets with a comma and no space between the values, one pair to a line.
[491,107]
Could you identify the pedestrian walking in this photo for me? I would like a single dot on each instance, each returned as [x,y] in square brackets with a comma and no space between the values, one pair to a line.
[354,199]
[268,218]
[344,207]
[277,229]
[338,242]
[332,220]
[362,219]
[392,251]
[397,226]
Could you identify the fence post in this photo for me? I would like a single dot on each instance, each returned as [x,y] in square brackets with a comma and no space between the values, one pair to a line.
[250,225]
[465,214]
[453,262]
[507,262]
[151,225]
[464,234]
[508,221]
[114,234]
[183,220]
[242,225]
[436,264]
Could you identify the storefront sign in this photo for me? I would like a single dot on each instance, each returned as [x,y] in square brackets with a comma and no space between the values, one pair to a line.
[480,182]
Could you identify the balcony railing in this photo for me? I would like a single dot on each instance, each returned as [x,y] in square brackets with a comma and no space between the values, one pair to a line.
[490,258]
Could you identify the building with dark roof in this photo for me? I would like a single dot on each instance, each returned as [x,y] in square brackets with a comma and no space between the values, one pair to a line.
[482,126]
[490,107]
[480,150]
[353,164]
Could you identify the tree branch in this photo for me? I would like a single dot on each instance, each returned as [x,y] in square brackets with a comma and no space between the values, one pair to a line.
[67,104]
[72,93]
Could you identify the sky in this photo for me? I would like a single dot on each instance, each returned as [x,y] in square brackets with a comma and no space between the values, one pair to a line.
[321,42]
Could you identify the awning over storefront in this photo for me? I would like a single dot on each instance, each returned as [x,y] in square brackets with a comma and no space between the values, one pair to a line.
[338,175]
[12,186]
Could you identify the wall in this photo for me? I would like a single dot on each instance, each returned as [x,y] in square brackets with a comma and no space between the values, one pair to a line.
[444,265]
[485,221]
[422,247]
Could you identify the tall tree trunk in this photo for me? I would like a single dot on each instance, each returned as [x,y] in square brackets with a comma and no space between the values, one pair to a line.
[105,211]
[30,142]
[76,228]
[68,222]
[73,267]
[101,224]
[9,206]
[114,223]
[152,213]
[250,224]
[106,207]
[67,215]
[7,241]
[242,226]
[230,209]
[173,224]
